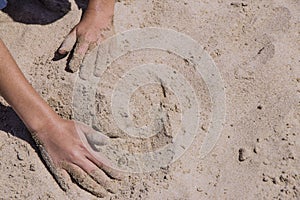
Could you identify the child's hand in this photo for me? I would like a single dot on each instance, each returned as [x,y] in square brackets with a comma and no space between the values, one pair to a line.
[86,35]
[63,147]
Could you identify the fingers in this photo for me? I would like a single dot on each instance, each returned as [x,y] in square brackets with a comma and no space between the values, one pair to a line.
[97,138]
[103,163]
[82,46]
[80,50]
[100,177]
[85,181]
[68,43]
[62,178]
[97,174]
[94,138]
[59,175]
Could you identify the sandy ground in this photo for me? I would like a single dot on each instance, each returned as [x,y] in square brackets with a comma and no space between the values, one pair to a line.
[255,45]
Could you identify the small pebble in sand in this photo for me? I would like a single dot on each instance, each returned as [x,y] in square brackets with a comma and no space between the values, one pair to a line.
[242,154]
[20,156]
[265,179]
[259,107]
[266,162]
[32,167]
[255,150]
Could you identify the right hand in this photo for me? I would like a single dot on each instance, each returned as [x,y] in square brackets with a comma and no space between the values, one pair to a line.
[65,153]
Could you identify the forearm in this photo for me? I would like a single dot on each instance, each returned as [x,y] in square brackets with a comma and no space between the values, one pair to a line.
[16,90]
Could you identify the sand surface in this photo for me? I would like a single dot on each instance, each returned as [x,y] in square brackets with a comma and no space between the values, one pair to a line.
[254,44]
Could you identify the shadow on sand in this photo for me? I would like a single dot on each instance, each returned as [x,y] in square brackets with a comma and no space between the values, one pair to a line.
[40,11]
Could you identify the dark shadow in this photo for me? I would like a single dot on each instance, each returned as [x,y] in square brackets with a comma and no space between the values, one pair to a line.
[40,11]
[12,124]
[57,56]
[37,11]
[70,56]
[82,4]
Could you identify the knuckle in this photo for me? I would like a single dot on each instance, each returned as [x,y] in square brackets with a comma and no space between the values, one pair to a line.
[75,155]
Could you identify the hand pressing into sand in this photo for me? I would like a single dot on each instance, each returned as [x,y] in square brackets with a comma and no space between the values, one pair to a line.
[97,20]
[66,146]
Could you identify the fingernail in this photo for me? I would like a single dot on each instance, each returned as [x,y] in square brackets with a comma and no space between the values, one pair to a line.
[62,51]
[75,63]
[109,185]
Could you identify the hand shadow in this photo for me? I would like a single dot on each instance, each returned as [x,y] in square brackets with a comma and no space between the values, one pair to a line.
[12,125]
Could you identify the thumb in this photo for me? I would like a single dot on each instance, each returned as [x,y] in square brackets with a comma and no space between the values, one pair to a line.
[68,43]
[96,138]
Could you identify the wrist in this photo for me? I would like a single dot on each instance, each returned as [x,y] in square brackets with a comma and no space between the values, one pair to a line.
[96,20]
[98,14]
[39,124]
[101,6]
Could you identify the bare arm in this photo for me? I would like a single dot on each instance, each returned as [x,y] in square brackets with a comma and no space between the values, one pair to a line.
[58,139]
[21,96]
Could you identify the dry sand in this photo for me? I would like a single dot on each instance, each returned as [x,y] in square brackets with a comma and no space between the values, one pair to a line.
[255,45]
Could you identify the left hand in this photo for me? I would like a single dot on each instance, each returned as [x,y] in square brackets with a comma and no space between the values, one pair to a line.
[86,35]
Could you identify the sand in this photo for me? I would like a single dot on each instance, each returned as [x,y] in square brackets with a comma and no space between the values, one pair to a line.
[254,44]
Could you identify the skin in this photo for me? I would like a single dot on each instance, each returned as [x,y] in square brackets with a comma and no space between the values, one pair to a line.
[64,152]
[89,32]
[60,141]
